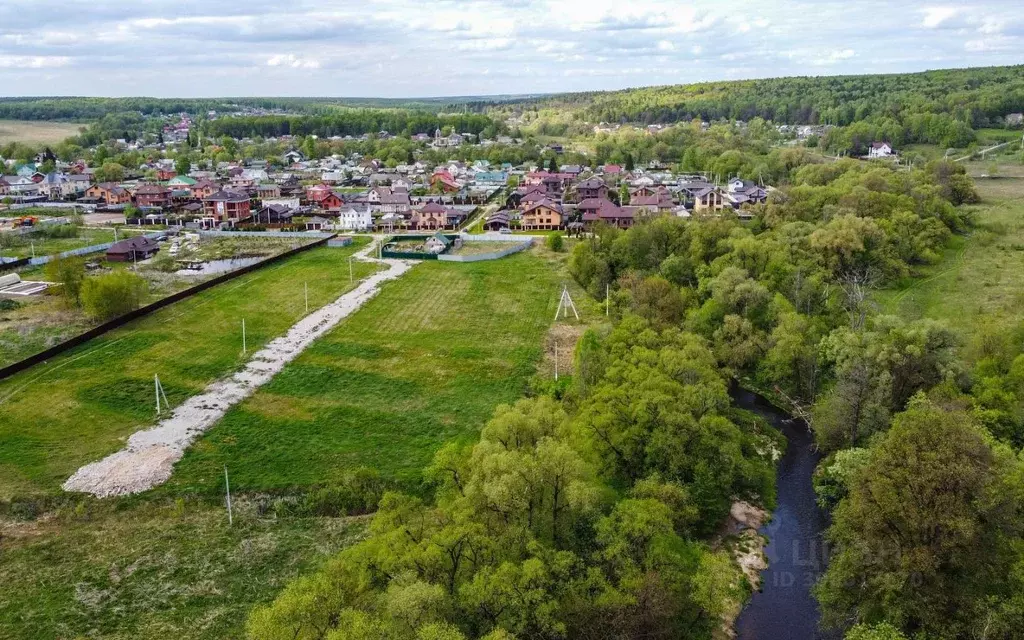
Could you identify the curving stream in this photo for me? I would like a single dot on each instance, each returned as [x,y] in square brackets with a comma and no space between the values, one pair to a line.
[784,609]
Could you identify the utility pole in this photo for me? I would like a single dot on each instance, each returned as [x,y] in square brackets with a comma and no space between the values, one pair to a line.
[227,491]
[243,336]
[305,287]
[350,279]
[556,362]
[607,300]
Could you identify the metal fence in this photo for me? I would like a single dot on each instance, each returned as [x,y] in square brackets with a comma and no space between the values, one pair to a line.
[319,235]
[493,255]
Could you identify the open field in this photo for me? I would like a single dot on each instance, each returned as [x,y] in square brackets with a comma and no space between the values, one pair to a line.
[36,132]
[423,363]
[159,570]
[981,277]
[78,407]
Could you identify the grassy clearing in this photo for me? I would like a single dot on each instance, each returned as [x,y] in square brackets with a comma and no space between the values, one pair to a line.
[37,132]
[157,570]
[423,363]
[981,278]
[79,407]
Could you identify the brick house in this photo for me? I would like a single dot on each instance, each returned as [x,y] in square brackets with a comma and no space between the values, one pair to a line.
[152,195]
[544,215]
[110,193]
[227,206]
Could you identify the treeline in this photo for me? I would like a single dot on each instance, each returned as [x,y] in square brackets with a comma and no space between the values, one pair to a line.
[348,122]
[566,520]
[87,109]
[979,97]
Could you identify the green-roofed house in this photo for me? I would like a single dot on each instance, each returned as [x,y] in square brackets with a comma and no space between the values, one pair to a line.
[437,243]
[181,182]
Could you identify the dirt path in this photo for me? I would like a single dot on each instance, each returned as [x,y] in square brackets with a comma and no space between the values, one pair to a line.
[148,459]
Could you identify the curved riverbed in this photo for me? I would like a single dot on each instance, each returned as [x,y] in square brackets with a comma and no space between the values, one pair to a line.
[784,609]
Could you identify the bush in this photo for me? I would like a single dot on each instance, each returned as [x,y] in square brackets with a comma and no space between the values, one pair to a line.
[110,296]
[356,494]
[556,242]
[7,304]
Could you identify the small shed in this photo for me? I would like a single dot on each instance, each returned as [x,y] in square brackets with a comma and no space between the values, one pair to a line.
[437,243]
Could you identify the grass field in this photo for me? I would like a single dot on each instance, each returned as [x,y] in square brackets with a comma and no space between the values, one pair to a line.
[79,406]
[981,278]
[155,570]
[36,132]
[424,362]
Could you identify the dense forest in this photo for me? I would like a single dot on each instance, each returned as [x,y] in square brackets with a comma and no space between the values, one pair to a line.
[980,97]
[349,122]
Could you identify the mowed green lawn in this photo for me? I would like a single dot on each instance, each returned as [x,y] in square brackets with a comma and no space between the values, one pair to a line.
[82,405]
[981,278]
[423,363]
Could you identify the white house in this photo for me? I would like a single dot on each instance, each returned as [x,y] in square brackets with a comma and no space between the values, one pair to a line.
[353,219]
[880,150]
[23,186]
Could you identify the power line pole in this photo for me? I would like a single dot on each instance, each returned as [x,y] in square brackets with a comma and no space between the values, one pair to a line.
[243,336]
[227,491]
[305,288]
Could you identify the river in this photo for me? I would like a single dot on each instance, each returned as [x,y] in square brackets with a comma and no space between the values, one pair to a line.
[784,609]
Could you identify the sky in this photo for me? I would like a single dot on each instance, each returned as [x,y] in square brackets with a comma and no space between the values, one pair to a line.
[419,48]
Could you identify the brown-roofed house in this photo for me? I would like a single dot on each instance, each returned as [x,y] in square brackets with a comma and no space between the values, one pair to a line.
[133,249]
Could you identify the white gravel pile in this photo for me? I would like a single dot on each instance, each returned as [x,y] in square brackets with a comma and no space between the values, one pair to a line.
[149,457]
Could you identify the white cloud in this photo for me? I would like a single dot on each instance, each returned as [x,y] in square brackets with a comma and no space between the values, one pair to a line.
[935,16]
[293,61]
[33,62]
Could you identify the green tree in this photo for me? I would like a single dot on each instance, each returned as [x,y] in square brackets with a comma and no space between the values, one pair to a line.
[555,242]
[109,172]
[114,294]
[69,273]
[183,164]
[928,530]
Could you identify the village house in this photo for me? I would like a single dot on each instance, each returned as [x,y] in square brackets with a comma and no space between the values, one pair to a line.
[430,216]
[543,216]
[604,210]
[880,150]
[658,202]
[592,188]
[152,195]
[204,189]
[227,206]
[268,190]
[351,218]
[273,214]
[133,249]
[109,193]
[497,221]
[331,203]
[5,188]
